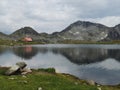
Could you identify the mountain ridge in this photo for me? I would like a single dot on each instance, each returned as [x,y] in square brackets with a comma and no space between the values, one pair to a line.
[79,30]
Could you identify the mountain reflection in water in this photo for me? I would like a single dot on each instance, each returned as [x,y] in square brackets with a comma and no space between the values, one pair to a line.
[94,62]
[25,52]
[79,55]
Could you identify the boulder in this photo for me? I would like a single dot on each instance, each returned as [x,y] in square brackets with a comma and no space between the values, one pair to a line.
[91,82]
[15,69]
[28,70]
[12,70]
[21,64]
[25,71]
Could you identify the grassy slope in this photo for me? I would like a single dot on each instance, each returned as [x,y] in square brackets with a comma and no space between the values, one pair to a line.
[45,80]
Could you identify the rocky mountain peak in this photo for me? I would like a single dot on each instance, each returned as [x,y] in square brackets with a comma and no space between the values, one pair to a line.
[87,24]
[25,31]
[79,30]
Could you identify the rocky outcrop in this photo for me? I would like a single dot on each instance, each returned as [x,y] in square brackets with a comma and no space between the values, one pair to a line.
[85,31]
[19,68]
[21,65]
[12,70]
[114,33]
[25,32]
[29,32]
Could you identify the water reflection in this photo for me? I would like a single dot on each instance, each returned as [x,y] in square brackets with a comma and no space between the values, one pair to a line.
[77,55]
[26,52]
[82,55]
[94,62]
[2,50]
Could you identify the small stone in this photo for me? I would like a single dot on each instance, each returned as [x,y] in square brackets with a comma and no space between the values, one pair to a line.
[28,70]
[25,82]
[99,88]
[98,85]
[11,78]
[21,64]
[24,73]
[76,83]
[24,76]
[40,88]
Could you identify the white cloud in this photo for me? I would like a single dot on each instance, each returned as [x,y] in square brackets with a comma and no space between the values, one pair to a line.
[109,20]
[55,15]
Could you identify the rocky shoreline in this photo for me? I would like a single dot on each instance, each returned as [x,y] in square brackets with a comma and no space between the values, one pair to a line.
[19,69]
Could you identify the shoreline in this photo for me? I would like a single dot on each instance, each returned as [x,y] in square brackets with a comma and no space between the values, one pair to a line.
[21,43]
[50,72]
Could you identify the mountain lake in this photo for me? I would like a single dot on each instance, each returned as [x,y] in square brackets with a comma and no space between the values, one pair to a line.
[100,63]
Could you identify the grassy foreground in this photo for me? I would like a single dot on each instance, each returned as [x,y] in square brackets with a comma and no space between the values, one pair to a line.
[43,79]
[46,79]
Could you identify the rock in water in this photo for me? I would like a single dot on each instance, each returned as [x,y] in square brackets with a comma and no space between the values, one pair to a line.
[12,70]
[21,64]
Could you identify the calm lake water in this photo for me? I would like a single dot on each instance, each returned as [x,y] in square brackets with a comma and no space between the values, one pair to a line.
[100,63]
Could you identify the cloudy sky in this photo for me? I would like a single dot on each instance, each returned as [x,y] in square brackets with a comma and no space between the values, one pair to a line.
[55,15]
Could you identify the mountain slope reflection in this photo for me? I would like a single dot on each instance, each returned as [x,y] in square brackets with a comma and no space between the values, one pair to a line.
[76,55]
[3,50]
[26,52]
[83,55]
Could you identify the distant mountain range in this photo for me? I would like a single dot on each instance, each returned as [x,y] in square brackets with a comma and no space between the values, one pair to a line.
[80,30]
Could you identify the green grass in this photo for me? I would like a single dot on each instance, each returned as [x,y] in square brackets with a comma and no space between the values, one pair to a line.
[89,42]
[41,78]
[49,70]
[111,87]
[47,79]
[14,43]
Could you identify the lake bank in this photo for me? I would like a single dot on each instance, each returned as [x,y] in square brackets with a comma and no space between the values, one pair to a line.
[44,79]
[20,43]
